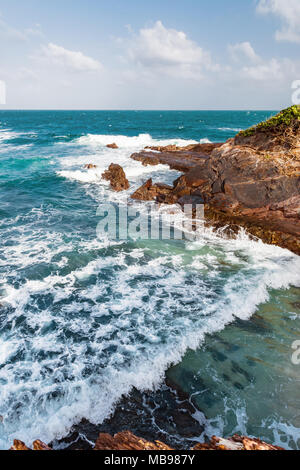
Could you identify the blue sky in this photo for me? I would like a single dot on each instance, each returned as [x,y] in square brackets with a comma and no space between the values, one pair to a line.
[167,54]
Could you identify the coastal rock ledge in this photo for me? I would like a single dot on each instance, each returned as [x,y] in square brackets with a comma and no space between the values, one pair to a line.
[128,441]
[250,181]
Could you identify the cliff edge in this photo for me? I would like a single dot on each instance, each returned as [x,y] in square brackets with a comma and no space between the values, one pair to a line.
[251,181]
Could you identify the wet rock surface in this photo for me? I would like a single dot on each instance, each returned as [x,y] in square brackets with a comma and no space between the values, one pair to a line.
[90,166]
[165,415]
[112,146]
[126,440]
[250,181]
[116,175]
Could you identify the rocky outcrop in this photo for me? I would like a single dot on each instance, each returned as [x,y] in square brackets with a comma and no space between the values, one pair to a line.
[149,191]
[203,149]
[236,443]
[116,175]
[37,445]
[112,146]
[251,181]
[128,441]
[178,158]
[90,166]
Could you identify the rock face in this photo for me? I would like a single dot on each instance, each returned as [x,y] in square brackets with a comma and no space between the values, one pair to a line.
[251,181]
[236,443]
[149,191]
[116,175]
[128,441]
[37,445]
[178,158]
[112,146]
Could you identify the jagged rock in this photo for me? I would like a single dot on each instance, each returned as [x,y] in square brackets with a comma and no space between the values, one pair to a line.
[180,161]
[127,441]
[251,181]
[236,443]
[112,146]
[18,445]
[90,166]
[204,149]
[146,192]
[39,445]
[150,192]
[116,175]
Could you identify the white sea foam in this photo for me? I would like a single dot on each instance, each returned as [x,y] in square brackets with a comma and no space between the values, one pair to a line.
[80,335]
[122,141]
[144,339]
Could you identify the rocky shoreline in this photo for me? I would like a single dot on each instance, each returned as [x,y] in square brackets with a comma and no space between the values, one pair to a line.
[126,441]
[250,181]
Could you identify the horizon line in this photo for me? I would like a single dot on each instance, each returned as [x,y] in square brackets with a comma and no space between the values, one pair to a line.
[142,110]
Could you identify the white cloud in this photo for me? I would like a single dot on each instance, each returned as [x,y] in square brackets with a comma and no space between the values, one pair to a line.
[243,50]
[253,67]
[71,60]
[289,12]
[271,70]
[9,33]
[168,51]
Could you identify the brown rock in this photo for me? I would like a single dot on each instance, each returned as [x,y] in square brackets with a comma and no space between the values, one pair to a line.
[147,192]
[19,445]
[39,445]
[181,161]
[116,175]
[204,149]
[150,192]
[90,166]
[127,441]
[236,443]
[112,146]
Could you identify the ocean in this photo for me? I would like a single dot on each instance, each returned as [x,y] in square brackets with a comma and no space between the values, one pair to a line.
[86,322]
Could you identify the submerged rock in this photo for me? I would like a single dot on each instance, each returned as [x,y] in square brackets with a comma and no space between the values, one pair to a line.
[90,166]
[112,146]
[116,175]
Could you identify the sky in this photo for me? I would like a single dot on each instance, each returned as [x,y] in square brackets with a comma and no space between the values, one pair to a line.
[133,54]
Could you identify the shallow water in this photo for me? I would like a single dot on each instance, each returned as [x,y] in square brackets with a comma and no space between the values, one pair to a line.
[83,320]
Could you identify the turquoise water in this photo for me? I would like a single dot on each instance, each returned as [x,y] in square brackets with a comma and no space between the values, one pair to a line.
[83,320]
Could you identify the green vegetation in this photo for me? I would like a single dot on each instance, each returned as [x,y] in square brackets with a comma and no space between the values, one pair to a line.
[284,119]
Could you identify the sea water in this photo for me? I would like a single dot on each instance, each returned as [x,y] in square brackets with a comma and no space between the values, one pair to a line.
[85,320]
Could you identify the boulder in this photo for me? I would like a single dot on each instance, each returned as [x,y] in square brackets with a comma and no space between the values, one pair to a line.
[90,166]
[112,146]
[116,175]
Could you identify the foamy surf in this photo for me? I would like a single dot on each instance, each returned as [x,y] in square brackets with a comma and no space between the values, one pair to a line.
[84,320]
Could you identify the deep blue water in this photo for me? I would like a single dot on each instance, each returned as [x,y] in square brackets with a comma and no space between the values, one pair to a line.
[83,320]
